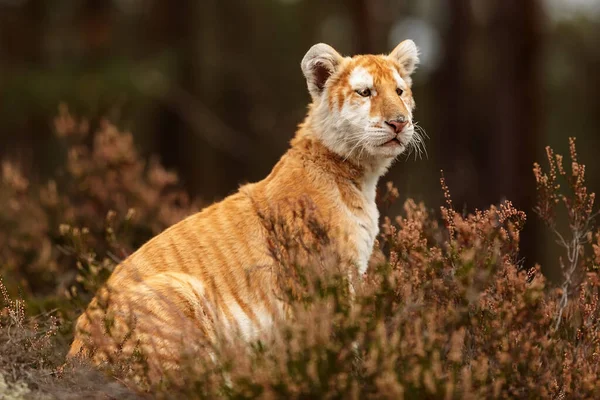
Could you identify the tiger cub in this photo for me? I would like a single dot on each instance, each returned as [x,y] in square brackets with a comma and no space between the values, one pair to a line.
[214,273]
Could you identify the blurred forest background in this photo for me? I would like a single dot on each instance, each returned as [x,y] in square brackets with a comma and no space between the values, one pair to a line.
[215,88]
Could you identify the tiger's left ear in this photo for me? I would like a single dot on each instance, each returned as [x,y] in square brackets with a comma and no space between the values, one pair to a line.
[407,55]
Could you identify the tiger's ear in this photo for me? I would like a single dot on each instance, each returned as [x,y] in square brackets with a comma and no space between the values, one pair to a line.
[407,55]
[319,63]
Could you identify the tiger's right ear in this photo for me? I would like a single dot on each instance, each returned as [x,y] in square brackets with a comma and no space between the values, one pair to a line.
[319,63]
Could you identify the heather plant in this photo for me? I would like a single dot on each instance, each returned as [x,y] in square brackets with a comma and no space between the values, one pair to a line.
[449,314]
[32,364]
[417,326]
[60,237]
[578,206]
[445,310]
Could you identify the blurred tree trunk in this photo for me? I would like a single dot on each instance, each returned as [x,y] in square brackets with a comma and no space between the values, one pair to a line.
[515,37]
[488,131]
[372,20]
[95,28]
[179,148]
[21,31]
[457,109]
[21,47]
[362,19]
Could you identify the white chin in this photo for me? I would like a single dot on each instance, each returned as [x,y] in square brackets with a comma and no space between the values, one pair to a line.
[388,151]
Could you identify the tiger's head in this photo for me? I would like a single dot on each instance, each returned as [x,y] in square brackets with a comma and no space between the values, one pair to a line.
[363,105]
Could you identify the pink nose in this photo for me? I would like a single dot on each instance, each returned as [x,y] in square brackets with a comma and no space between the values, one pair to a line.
[397,125]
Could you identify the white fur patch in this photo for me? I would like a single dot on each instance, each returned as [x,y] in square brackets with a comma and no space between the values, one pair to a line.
[245,326]
[368,226]
[399,81]
[402,85]
[360,78]
[241,323]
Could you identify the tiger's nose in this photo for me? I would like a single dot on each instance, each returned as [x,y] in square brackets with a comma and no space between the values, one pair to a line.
[397,124]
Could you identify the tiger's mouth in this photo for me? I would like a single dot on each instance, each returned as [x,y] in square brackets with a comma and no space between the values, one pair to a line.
[392,143]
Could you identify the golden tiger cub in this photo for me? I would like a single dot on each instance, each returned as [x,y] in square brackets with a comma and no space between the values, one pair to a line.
[214,272]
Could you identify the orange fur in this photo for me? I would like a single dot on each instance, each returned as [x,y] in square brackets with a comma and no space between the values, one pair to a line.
[213,273]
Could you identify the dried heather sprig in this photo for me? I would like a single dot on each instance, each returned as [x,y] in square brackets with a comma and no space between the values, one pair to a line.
[579,208]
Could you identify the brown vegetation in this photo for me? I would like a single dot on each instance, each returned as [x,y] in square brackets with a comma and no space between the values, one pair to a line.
[450,313]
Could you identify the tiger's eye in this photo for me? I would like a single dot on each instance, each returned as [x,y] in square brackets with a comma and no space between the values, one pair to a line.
[364,92]
[399,91]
